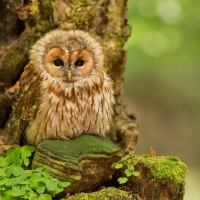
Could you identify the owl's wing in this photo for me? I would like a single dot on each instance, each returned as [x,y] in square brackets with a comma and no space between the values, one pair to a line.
[29,99]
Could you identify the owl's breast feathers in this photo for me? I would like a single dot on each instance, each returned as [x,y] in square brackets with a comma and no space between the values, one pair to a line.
[64,111]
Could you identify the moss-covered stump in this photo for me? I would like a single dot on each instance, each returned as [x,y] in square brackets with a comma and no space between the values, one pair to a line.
[110,193]
[161,177]
[84,161]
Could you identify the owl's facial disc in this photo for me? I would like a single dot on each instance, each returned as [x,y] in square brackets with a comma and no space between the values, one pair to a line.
[69,67]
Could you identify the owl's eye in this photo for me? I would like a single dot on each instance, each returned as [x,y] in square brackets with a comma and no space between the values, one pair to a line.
[79,63]
[58,62]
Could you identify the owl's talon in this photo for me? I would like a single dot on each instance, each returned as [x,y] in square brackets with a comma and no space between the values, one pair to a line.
[63,138]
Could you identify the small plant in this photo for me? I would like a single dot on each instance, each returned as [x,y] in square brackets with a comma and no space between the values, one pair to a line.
[129,171]
[17,182]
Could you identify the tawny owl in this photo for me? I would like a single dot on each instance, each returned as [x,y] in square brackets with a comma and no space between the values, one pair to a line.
[64,90]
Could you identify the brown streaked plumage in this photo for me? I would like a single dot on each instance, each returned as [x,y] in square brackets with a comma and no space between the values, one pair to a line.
[64,90]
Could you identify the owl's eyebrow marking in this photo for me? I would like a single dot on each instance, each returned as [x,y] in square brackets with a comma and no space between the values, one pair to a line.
[50,47]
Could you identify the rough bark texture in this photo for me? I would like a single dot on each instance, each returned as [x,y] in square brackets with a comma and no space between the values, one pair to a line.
[104,19]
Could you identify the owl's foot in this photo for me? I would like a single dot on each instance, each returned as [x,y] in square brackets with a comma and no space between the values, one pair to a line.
[62,137]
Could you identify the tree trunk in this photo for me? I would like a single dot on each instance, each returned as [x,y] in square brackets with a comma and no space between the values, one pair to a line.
[104,19]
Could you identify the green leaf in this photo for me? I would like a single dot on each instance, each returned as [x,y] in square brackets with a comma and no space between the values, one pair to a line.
[31,193]
[14,181]
[29,148]
[8,197]
[7,191]
[132,168]
[2,188]
[29,172]
[17,192]
[2,182]
[64,184]
[34,183]
[18,171]
[136,173]
[4,162]
[8,171]
[122,180]
[26,182]
[128,172]
[46,173]
[25,188]
[51,186]
[8,182]
[39,169]
[113,165]
[57,190]
[26,161]
[25,153]
[23,177]
[118,166]
[36,175]
[34,198]
[41,188]
[2,173]
[44,197]
[13,154]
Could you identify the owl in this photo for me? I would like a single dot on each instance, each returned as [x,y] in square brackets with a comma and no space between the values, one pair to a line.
[64,89]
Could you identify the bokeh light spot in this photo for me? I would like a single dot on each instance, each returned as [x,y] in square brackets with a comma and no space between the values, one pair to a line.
[173,37]
[147,8]
[169,11]
[154,44]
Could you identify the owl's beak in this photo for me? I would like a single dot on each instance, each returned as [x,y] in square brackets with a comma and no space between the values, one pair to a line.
[69,75]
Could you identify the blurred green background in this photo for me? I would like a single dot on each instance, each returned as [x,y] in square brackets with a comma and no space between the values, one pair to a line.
[162,81]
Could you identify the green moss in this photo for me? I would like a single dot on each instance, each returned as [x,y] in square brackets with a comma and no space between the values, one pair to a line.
[164,169]
[80,145]
[104,194]
[43,26]
[34,11]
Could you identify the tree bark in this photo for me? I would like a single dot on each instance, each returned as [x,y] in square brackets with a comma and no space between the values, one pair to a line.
[105,20]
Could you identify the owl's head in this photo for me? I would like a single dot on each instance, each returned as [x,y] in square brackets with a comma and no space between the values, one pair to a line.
[68,56]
